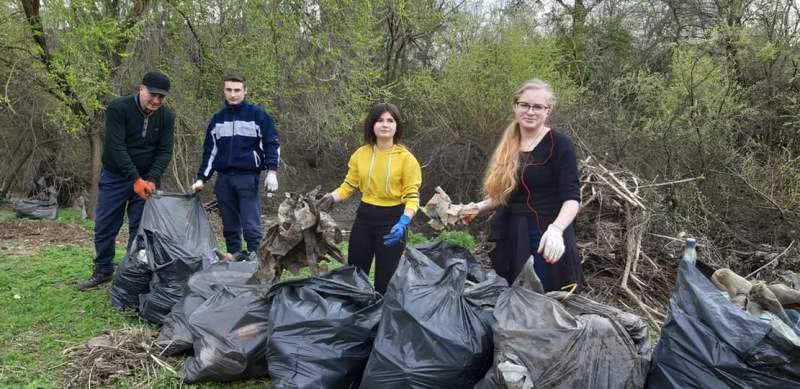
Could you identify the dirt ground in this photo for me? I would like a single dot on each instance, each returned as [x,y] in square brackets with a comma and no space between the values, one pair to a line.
[23,237]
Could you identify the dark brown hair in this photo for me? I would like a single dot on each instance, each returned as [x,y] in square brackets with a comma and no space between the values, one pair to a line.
[375,114]
[235,77]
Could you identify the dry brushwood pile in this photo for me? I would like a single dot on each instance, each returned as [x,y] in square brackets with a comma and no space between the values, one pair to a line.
[302,236]
[619,267]
[632,262]
[101,360]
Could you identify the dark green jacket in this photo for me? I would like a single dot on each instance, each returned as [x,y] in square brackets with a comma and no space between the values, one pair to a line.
[130,151]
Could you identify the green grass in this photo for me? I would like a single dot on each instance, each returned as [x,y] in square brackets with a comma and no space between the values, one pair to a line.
[458,237]
[6,215]
[42,313]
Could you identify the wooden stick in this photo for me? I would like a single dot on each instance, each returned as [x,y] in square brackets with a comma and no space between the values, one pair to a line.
[673,182]
[620,193]
[770,262]
[621,185]
[647,257]
[624,187]
[630,246]
[673,238]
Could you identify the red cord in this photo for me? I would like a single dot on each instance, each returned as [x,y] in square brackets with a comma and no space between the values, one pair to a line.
[522,178]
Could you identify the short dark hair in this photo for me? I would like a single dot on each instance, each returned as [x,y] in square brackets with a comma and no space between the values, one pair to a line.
[375,114]
[235,77]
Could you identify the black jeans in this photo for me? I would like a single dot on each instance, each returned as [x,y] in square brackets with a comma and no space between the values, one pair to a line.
[366,241]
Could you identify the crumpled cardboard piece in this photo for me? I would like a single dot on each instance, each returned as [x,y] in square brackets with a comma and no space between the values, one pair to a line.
[302,236]
[443,213]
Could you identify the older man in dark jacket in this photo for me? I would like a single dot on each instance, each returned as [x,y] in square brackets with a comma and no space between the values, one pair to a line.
[139,136]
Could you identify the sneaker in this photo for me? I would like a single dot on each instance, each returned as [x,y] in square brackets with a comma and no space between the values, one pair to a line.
[251,257]
[95,280]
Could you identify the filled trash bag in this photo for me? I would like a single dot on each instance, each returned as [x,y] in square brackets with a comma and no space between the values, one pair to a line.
[565,341]
[432,334]
[441,252]
[229,331]
[178,241]
[709,342]
[175,336]
[131,279]
[321,329]
[37,209]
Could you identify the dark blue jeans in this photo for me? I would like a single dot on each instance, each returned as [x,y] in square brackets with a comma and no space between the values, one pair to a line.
[240,205]
[114,197]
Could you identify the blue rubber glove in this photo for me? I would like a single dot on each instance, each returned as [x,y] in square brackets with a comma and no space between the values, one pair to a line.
[398,232]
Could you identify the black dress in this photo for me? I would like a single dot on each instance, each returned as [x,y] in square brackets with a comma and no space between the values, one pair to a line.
[549,177]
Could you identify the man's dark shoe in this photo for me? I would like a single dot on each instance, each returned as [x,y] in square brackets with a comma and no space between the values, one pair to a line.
[95,280]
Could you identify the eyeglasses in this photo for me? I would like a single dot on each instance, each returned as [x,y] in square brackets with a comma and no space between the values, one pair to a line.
[525,107]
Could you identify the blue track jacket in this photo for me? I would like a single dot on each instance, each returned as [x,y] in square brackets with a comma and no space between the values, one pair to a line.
[239,138]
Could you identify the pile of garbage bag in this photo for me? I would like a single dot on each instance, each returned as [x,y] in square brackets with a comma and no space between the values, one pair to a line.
[174,241]
[229,332]
[321,329]
[436,324]
[732,335]
[175,336]
[131,279]
[560,340]
[44,206]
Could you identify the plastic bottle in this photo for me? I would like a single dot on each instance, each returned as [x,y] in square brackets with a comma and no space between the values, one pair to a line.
[141,256]
[690,254]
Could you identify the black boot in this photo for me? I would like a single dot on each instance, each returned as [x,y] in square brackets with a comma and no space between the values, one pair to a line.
[96,279]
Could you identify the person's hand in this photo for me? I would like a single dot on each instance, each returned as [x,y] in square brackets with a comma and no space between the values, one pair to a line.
[326,202]
[398,232]
[197,186]
[551,245]
[470,213]
[271,182]
[144,188]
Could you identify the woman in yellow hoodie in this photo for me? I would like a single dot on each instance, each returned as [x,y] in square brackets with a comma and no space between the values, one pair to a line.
[389,177]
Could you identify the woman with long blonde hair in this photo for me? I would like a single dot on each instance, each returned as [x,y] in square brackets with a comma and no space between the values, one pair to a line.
[532,183]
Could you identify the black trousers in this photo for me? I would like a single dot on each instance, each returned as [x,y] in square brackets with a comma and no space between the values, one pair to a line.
[366,241]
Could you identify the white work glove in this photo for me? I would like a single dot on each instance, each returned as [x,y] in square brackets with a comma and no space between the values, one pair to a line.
[551,245]
[271,182]
[197,186]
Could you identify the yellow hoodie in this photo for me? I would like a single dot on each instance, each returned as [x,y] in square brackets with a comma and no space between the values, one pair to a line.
[384,177]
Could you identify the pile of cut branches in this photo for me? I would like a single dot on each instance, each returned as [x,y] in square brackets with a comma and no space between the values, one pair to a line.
[620,268]
[114,354]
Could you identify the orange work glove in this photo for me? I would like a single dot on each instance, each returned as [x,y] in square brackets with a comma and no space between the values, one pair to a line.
[144,188]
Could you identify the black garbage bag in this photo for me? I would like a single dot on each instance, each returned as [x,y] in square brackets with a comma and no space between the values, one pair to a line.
[175,336]
[230,335]
[321,329]
[431,334]
[565,341]
[37,209]
[178,241]
[709,342]
[441,252]
[131,279]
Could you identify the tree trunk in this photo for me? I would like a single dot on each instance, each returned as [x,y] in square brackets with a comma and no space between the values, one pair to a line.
[95,163]
[12,175]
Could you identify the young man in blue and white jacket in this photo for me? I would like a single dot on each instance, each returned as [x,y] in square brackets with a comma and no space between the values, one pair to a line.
[241,141]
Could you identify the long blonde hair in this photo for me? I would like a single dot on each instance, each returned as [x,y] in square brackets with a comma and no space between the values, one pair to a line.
[501,174]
